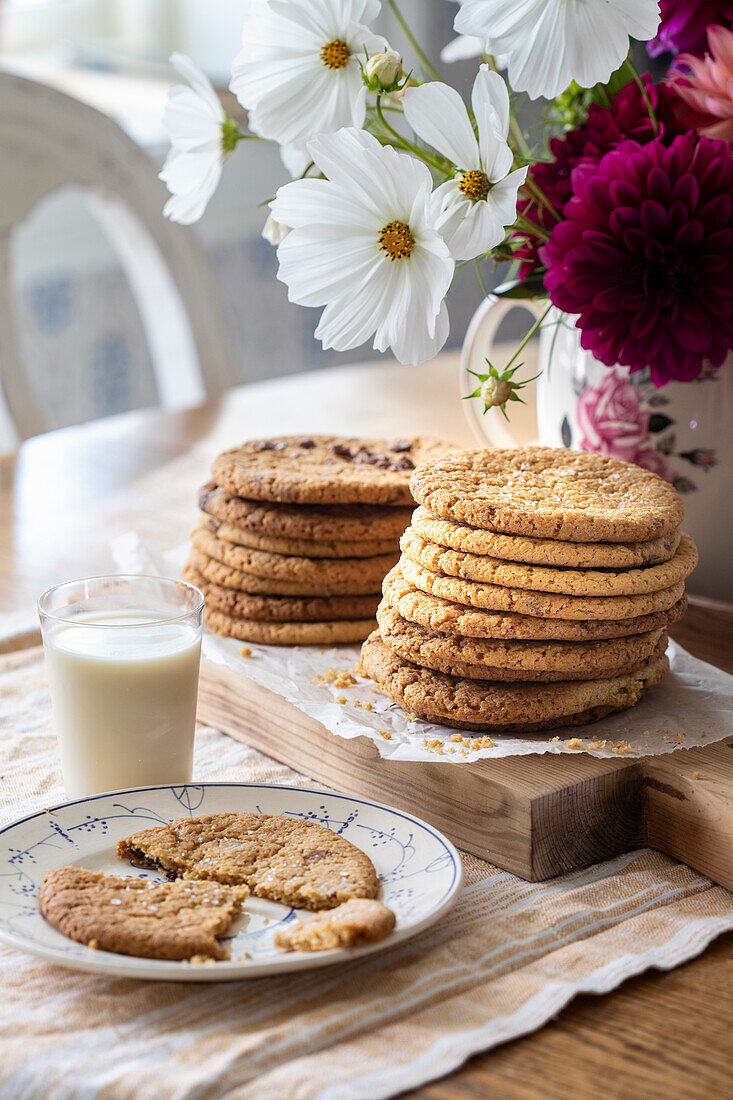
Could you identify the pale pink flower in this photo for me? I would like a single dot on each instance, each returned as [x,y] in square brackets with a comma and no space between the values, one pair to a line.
[707,88]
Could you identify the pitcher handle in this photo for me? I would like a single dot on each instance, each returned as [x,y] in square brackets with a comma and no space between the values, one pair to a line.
[477,348]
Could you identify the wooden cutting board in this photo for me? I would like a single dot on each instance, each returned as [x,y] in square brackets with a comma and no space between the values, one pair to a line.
[537,816]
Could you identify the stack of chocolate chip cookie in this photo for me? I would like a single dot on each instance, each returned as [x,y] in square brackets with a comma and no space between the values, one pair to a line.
[534,590]
[297,533]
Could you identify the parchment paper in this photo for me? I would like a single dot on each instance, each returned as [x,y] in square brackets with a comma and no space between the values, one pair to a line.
[692,707]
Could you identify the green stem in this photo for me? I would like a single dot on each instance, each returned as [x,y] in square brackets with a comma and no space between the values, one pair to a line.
[403,143]
[535,190]
[424,60]
[519,137]
[629,65]
[481,280]
[535,328]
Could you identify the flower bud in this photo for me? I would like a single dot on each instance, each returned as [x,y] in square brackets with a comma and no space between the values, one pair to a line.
[495,391]
[275,232]
[383,71]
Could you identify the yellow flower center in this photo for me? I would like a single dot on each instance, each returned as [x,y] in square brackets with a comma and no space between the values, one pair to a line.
[335,55]
[396,240]
[474,185]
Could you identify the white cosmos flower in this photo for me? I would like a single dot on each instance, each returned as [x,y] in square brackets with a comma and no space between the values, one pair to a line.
[299,70]
[195,122]
[362,245]
[463,48]
[549,43]
[472,209]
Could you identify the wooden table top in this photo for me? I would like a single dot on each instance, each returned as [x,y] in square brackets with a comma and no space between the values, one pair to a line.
[66,494]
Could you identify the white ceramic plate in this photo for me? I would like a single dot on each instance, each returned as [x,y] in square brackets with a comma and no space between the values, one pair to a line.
[420,872]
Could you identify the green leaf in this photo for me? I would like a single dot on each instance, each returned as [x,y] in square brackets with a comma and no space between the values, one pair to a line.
[532,287]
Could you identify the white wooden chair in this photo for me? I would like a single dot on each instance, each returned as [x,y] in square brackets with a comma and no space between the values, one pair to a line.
[49,141]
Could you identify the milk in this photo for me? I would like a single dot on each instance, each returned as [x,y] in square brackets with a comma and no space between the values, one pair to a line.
[123,687]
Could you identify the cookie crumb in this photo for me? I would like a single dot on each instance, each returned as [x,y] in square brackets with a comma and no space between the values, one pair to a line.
[620,748]
[704,733]
[341,699]
[245,651]
[481,743]
[574,743]
[680,737]
[597,744]
[554,740]
[697,775]
[385,734]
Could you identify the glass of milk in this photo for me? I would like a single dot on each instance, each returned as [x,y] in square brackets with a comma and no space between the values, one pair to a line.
[122,656]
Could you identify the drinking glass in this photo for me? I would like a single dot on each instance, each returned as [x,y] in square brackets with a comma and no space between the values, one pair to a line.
[122,656]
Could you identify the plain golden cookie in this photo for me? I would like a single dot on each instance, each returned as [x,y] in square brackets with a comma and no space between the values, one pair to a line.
[306,548]
[535,551]
[435,613]
[359,576]
[493,659]
[228,577]
[324,469]
[285,859]
[548,578]
[135,916]
[281,609]
[505,708]
[548,492]
[339,632]
[543,605]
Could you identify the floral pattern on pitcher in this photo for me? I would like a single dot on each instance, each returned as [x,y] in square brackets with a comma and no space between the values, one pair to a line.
[618,418]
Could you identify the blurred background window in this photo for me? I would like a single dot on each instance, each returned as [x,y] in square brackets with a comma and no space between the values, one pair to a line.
[75,317]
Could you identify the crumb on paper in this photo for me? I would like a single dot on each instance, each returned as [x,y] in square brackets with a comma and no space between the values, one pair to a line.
[554,740]
[341,699]
[597,744]
[697,775]
[457,737]
[481,743]
[704,733]
[574,743]
[645,733]
[624,729]
[94,944]
[620,748]
[435,745]
[296,648]
[364,706]
[385,734]
[339,677]
[245,651]
[200,960]
[680,737]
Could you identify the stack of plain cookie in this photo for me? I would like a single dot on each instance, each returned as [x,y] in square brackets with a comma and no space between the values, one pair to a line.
[534,590]
[297,533]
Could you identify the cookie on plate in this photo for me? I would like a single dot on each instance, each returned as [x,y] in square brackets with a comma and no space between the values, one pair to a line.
[547,492]
[295,862]
[353,924]
[503,708]
[135,916]
[324,469]
[536,551]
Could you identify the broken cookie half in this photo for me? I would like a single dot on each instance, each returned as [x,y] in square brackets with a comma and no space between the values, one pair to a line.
[134,916]
[287,860]
[353,924]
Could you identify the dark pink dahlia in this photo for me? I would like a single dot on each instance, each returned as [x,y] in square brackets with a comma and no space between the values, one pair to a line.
[685,22]
[627,117]
[644,256]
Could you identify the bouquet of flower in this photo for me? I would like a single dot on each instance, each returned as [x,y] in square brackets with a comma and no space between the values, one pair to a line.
[622,218]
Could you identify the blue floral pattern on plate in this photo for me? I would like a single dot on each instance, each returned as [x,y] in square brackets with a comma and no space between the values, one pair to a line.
[420,871]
